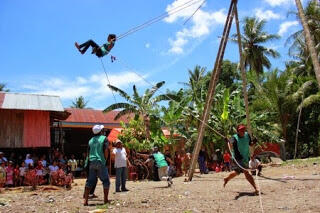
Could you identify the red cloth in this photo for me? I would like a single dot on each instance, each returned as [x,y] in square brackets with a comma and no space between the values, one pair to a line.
[226,157]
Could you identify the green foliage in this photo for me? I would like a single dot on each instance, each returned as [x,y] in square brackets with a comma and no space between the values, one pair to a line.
[79,103]
[2,88]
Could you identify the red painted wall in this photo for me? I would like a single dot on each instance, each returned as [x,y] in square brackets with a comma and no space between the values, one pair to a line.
[36,132]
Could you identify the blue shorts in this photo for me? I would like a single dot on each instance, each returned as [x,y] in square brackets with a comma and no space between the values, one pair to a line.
[238,169]
[97,169]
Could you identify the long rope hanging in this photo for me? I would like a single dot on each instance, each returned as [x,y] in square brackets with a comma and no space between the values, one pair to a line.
[104,69]
[158,18]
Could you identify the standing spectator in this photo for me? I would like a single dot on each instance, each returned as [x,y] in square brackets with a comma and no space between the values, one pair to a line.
[120,164]
[171,167]
[16,176]
[98,152]
[43,160]
[240,143]
[72,162]
[3,175]
[227,160]
[2,158]
[22,172]
[28,160]
[178,163]
[186,163]
[202,161]
[254,163]
[9,171]
[161,164]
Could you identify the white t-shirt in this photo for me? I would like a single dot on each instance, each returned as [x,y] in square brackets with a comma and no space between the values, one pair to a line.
[254,164]
[53,168]
[120,157]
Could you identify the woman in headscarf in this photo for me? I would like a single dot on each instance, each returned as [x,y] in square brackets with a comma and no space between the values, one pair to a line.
[28,160]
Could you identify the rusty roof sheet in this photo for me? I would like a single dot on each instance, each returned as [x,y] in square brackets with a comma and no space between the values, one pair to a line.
[23,101]
[94,116]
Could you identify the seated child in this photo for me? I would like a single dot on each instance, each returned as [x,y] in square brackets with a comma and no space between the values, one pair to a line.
[255,164]
[98,51]
[16,176]
[3,175]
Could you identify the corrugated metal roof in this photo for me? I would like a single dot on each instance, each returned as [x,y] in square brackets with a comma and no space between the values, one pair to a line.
[93,116]
[30,102]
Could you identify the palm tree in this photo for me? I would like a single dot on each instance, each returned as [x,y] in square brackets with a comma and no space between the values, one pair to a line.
[253,37]
[308,37]
[79,103]
[2,88]
[139,105]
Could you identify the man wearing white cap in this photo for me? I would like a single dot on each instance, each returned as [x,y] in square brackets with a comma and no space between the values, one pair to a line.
[120,164]
[97,154]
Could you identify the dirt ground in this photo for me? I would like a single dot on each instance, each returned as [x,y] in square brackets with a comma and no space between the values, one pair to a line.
[289,188]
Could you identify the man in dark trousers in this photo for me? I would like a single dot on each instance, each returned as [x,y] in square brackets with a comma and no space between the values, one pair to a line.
[98,151]
[240,143]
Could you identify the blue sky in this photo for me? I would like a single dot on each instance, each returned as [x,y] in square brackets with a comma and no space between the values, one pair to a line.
[38,54]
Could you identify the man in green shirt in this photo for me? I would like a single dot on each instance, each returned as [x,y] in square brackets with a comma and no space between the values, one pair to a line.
[240,143]
[162,165]
[98,152]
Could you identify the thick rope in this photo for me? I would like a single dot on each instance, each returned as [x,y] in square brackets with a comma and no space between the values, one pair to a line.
[158,18]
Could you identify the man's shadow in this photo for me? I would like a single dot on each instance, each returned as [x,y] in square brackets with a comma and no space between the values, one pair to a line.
[242,194]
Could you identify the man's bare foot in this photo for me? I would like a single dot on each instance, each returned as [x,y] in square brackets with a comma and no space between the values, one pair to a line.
[225,182]
[256,192]
[78,47]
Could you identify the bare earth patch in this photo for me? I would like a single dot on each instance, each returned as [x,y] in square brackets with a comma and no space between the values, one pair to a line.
[284,189]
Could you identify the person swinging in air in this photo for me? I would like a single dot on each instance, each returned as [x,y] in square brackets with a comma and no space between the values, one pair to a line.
[99,51]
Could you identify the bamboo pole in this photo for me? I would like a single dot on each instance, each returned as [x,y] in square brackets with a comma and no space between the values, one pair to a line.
[212,87]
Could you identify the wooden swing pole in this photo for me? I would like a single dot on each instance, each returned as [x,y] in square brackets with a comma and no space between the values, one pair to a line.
[212,86]
[243,72]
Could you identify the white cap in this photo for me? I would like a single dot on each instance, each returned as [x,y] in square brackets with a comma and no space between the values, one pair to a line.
[97,129]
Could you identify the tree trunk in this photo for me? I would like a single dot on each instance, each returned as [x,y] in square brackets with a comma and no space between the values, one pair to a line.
[243,73]
[146,121]
[309,41]
[297,133]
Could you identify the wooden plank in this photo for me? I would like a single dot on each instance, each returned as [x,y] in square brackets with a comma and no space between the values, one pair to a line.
[11,128]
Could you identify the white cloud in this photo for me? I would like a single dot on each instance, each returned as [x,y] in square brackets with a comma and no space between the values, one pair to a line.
[275,3]
[266,15]
[285,26]
[94,86]
[202,23]
[147,45]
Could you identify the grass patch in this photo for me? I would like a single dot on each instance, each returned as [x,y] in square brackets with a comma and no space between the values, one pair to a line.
[299,162]
[104,206]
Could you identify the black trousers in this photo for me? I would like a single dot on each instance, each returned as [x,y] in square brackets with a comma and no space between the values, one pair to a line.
[84,47]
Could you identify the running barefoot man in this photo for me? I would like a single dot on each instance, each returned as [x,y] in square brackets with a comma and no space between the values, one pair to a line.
[239,145]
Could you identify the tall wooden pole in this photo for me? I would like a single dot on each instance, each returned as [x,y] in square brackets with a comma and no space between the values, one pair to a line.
[243,72]
[211,89]
[309,41]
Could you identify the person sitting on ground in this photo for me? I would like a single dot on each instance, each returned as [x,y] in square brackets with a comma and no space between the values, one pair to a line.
[31,177]
[98,51]
[254,163]
[3,158]
[40,173]
[161,164]
[240,145]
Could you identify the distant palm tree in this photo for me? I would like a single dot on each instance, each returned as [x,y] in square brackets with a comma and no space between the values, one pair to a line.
[253,38]
[2,88]
[307,34]
[139,105]
[79,103]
